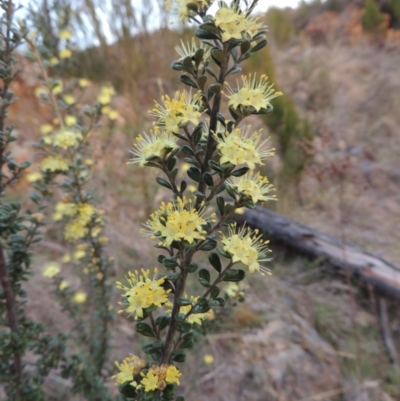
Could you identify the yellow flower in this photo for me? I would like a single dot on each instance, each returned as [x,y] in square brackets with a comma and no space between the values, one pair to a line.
[66,53]
[57,86]
[63,285]
[66,138]
[54,163]
[178,112]
[34,176]
[159,144]
[143,292]
[239,147]
[83,82]
[235,290]
[79,254]
[64,209]
[66,258]
[51,270]
[231,21]
[172,375]
[253,94]
[180,6]
[79,297]
[65,34]
[208,359]
[41,91]
[46,129]
[53,61]
[69,99]
[253,185]
[129,367]
[150,381]
[70,120]
[177,221]
[112,114]
[106,93]
[77,227]
[247,247]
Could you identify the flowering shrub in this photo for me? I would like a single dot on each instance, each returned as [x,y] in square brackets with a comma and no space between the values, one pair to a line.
[194,142]
[222,158]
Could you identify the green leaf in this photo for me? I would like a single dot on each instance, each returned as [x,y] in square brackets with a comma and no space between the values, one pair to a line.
[169,263]
[189,343]
[184,327]
[180,398]
[218,56]
[215,261]
[223,253]
[152,347]
[171,163]
[163,183]
[221,205]
[197,133]
[127,390]
[216,88]
[208,246]
[234,275]
[198,56]
[189,82]
[183,186]
[239,172]
[259,46]
[212,73]
[194,173]
[162,322]
[178,356]
[173,276]
[221,301]
[187,150]
[191,268]
[183,302]
[203,34]
[208,179]
[214,292]
[201,308]
[144,329]
[245,46]
[201,81]
[204,274]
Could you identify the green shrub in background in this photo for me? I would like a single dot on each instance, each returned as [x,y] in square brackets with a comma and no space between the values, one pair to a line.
[395,12]
[289,129]
[372,19]
[280,25]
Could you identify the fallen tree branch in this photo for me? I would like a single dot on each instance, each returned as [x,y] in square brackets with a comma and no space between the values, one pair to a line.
[366,269]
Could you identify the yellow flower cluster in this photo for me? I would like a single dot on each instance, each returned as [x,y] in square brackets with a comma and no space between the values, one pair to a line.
[239,147]
[177,112]
[158,377]
[51,270]
[130,367]
[181,6]
[143,292]
[177,221]
[253,93]
[159,144]
[253,185]
[67,138]
[54,164]
[234,24]
[106,93]
[80,216]
[247,247]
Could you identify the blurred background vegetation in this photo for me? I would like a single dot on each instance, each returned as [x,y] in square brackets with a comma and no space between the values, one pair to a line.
[336,169]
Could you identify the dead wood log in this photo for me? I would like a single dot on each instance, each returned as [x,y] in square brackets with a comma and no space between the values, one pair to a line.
[368,270]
